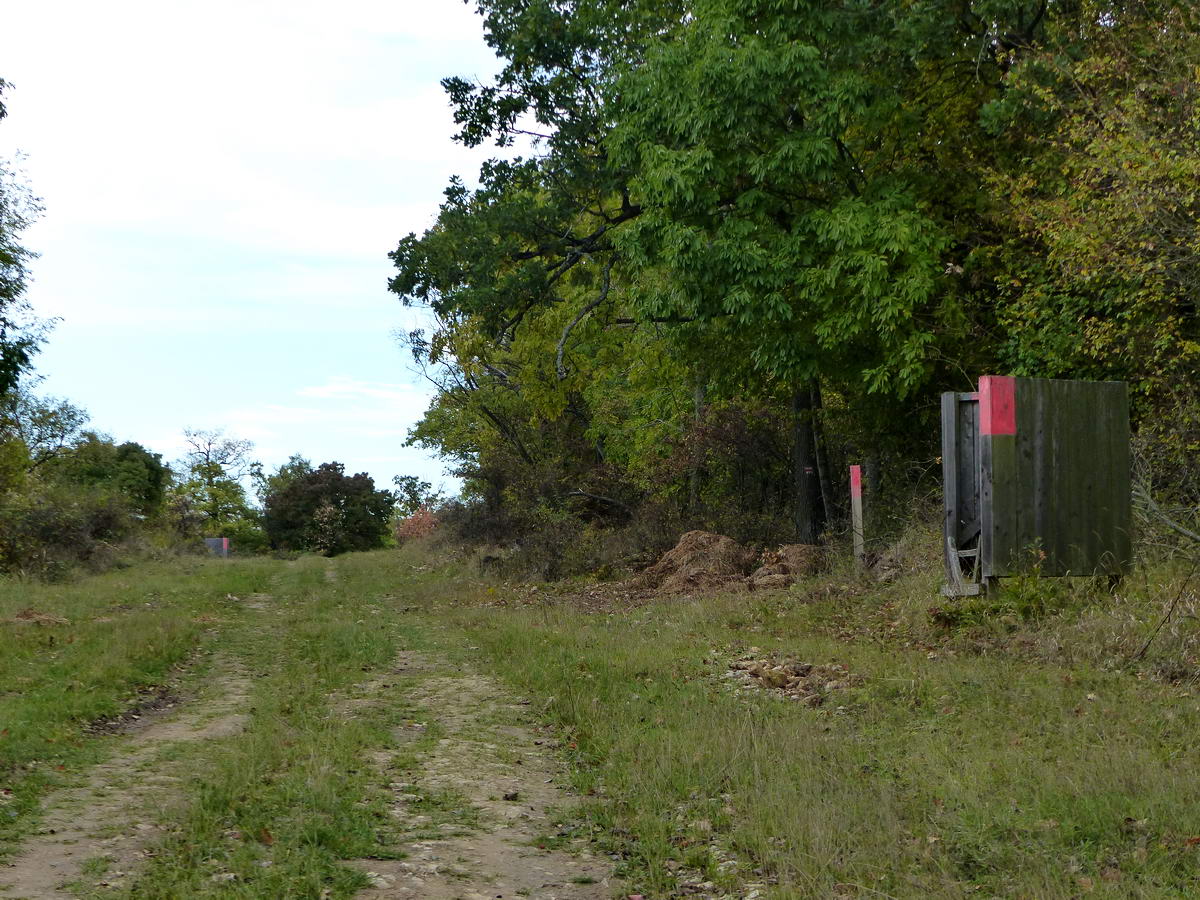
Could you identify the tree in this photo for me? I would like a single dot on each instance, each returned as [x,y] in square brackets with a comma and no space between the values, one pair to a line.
[46,427]
[20,333]
[328,511]
[718,176]
[1102,276]
[266,484]
[412,495]
[211,491]
[726,202]
[127,469]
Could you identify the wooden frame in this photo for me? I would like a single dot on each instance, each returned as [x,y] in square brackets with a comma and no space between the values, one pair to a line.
[1037,478]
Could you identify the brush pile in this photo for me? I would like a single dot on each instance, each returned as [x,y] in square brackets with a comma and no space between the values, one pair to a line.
[703,561]
[700,561]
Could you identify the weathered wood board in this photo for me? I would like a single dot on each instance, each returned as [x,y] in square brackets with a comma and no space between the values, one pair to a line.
[1040,470]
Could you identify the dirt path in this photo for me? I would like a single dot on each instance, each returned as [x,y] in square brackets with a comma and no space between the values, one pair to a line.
[501,777]
[95,834]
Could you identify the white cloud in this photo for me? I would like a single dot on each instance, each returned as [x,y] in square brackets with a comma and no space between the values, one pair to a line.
[345,387]
[223,181]
[346,419]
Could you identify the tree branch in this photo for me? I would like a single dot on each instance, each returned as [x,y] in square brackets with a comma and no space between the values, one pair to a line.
[600,499]
[1143,495]
[562,341]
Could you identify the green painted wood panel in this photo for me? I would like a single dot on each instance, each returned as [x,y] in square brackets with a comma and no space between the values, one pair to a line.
[1059,487]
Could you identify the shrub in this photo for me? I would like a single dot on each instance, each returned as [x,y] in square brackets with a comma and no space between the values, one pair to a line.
[48,529]
[419,524]
[328,511]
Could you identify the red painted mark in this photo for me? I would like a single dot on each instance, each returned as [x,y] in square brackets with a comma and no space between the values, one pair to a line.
[225,544]
[997,405]
[856,481]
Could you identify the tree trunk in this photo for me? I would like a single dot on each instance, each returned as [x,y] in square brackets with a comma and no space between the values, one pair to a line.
[805,487]
[697,414]
[828,504]
[871,475]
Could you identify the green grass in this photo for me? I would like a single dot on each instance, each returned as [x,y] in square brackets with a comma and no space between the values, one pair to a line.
[961,765]
[279,805]
[123,634]
[1015,751]
[96,866]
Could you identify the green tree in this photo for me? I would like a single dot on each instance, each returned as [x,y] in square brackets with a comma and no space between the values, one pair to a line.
[725,184]
[20,333]
[45,427]
[412,494]
[210,495]
[273,483]
[128,469]
[1102,276]
[328,511]
[821,212]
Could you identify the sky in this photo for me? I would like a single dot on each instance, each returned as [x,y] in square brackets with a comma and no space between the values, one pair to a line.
[222,182]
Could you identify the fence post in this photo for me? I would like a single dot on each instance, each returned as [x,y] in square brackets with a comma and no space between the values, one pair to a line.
[856,516]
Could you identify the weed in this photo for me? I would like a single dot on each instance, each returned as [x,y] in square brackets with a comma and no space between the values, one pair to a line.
[95,866]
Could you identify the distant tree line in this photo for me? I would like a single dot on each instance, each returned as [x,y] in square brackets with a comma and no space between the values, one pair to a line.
[73,498]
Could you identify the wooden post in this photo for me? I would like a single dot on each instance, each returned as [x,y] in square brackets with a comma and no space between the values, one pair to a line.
[856,516]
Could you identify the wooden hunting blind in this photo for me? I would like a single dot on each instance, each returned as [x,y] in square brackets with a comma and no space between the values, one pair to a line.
[1036,474]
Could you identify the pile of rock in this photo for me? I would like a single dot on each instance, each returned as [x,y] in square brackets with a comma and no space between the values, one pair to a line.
[802,681]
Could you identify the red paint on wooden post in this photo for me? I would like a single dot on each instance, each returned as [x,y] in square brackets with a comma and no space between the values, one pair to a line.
[856,516]
[225,544]
[997,404]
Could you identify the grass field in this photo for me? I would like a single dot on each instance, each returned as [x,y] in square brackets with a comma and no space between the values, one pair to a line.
[1014,750]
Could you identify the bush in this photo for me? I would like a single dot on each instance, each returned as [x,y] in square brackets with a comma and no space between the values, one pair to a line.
[246,536]
[47,529]
[328,511]
[418,525]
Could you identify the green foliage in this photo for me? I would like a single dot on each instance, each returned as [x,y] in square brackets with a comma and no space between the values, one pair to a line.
[265,484]
[1109,204]
[763,199]
[328,511]
[210,496]
[46,426]
[14,464]
[20,333]
[247,534]
[413,495]
[129,469]
[742,205]
[49,528]
[68,498]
